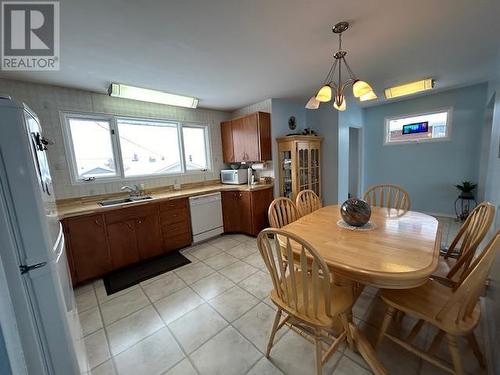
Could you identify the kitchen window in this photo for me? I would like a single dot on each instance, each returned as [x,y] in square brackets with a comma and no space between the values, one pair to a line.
[112,148]
[416,128]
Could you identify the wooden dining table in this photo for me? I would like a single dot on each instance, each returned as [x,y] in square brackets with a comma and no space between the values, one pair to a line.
[399,250]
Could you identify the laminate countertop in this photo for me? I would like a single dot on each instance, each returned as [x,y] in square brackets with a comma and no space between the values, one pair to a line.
[89,205]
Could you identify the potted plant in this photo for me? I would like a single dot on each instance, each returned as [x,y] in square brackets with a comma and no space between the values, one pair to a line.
[466,189]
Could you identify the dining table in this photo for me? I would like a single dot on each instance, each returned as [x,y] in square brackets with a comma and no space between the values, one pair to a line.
[396,249]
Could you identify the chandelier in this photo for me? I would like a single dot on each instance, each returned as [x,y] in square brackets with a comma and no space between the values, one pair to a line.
[333,84]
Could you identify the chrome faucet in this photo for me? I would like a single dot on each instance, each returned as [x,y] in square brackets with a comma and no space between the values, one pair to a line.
[135,191]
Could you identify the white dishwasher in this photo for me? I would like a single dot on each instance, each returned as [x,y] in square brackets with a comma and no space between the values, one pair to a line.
[206,216]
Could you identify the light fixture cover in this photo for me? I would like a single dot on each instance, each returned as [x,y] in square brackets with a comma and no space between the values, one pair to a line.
[370,96]
[324,94]
[146,95]
[360,88]
[342,107]
[313,103]
[409,88]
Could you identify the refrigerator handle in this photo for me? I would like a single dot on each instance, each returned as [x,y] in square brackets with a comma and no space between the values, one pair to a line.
[25,268]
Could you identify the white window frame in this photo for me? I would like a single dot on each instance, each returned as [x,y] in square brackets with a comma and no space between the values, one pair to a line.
[449,120]
[115,143]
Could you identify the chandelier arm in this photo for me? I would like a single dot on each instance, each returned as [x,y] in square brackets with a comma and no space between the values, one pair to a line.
[332,69]
[351,74]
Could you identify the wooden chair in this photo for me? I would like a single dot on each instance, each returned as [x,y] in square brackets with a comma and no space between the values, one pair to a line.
[307,201]
[455,312]
[314,306]
[389,196]
[453,265]
[282,211]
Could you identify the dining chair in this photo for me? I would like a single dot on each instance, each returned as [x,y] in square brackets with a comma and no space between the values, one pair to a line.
[455,312]
[282,211]
[452,266]
[389,196]
[305,295]
[307,201]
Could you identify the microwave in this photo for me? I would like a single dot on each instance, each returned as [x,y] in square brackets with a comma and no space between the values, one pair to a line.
[234,176]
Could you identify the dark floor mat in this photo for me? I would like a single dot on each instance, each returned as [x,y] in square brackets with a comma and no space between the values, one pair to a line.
[132,275]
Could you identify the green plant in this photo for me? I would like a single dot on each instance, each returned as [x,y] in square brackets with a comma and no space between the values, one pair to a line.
[466,187]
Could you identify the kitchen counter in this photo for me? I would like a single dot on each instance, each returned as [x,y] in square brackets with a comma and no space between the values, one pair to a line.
[89,205]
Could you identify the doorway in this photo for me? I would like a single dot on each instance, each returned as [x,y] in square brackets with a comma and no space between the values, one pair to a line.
[354,190]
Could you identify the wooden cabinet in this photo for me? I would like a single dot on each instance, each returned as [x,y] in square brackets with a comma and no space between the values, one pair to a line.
[246,211]
[123,243]
[247,138]
[87,247]
[300,164]
[175,224]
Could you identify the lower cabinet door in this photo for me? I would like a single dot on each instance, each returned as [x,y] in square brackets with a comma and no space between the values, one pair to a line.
[149,239]
[245,210]
[230,211]
[88,247]
[123,243]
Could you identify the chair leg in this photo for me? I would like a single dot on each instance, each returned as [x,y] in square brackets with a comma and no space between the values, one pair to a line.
[385,325]
[345,323]
[273,332]
[471,338]
[319,352]
[455,354]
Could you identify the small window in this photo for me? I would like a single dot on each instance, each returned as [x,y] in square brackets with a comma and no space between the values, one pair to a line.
[195,147]
[92,149]
[431,126]
[149,147]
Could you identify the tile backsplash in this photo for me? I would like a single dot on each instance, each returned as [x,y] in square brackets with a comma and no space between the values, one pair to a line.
[48,101]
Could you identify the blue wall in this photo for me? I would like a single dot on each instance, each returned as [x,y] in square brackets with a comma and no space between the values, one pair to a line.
[428,171]
[4,359]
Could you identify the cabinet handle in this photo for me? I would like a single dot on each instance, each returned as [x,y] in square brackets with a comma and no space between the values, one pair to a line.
[131,227]
[97,222]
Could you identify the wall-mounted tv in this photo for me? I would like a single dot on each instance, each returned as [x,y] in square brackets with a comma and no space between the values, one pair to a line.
[417,127]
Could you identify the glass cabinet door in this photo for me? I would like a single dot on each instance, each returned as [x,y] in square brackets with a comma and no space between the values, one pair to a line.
[315,179]
[303,158]
[286,173]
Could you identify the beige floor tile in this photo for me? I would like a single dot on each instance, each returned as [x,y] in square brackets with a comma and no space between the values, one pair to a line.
[241,237]
[256,326]
[238,271]
[187,253]
[204,251]
[164,286]
[228,353]
[184,367]
[259,284]
[153,355]
[255,259]
[220,261]
[264,367]
[90,321]
[347,366]
[177,304]
[84,289]
[102,295]
[242,250]
[130,330]
[294,355]
[196,327]
[224,243]
[107,368]
[123,305]
[97,348]
[86,301]
[233,303]
[212,285]
[193,272]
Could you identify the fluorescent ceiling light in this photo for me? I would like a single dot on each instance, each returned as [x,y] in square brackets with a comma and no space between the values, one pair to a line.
[137,93]
[409,88]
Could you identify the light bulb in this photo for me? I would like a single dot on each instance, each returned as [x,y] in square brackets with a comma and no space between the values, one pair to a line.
[342,106]
[324,94]
[360,88]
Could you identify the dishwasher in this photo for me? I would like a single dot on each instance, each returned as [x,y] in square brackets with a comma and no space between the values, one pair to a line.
[206,216]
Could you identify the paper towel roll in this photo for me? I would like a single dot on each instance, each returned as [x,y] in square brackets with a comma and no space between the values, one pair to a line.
[258,166]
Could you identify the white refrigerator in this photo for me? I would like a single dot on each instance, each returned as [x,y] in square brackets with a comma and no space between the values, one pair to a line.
[38,314]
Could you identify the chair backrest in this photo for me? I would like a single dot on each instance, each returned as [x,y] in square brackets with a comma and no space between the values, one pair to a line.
[297,280]
[470,236]
[469,290]
[387,195]
[282,211]
[307,201]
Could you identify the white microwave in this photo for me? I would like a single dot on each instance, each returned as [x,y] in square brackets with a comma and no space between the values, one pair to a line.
[234,176]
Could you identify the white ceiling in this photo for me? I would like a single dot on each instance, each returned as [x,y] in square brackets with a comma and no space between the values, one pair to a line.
[233,53]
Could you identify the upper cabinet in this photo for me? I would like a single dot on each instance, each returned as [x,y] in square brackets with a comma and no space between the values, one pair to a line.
[247,138]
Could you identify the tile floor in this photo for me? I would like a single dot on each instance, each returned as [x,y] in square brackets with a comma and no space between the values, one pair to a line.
[213,316]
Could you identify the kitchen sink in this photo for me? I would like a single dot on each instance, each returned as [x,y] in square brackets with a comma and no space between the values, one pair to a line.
[113,202]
